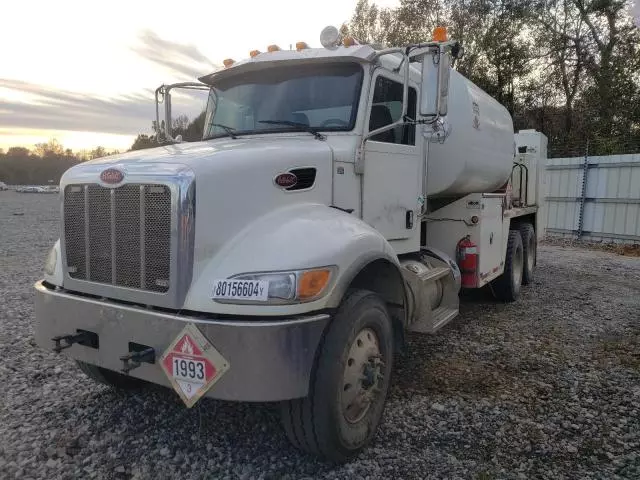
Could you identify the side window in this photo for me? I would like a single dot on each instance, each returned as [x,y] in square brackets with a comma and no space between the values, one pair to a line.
[387,108]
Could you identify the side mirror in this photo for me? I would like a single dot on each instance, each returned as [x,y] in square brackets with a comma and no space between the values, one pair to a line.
[163,96]
[434,92]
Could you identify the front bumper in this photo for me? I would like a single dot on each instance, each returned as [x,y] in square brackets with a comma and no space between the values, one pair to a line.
[269,360]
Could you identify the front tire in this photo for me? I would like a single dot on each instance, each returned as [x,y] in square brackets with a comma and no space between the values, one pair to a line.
[109,377]
[349,385]
[507,286]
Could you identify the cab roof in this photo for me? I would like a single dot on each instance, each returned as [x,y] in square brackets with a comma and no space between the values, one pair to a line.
[355,53]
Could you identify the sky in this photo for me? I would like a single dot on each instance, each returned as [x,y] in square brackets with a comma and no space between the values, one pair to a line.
[84,72]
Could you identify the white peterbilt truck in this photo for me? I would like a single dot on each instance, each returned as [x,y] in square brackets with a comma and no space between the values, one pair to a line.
[340,197]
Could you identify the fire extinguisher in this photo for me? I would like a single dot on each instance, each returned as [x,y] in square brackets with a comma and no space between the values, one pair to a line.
[467,257]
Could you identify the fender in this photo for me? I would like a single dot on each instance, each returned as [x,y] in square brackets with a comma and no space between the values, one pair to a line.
[290,238]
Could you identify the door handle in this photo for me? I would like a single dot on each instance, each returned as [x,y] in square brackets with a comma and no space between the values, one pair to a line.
[409,220]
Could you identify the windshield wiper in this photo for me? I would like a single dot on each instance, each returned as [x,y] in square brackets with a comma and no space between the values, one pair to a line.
[303,126]
[230,131]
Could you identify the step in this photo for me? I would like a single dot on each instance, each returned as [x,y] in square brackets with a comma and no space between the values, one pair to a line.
[435,274]
[437,319]
[442,316]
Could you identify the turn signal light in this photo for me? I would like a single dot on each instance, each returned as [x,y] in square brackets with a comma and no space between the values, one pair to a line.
[254,53]
[273,48]
[312,282]
[440,34]
[228,62]
[301,46]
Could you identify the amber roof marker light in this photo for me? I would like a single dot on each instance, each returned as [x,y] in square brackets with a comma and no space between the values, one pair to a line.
[440,34]
[350,42]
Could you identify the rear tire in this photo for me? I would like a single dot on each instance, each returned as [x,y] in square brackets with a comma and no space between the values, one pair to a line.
[349,384]
[109,377]
[507,286]
[529,249]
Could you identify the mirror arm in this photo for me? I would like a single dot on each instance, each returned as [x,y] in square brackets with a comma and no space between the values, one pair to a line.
[405,91]
[163,95]
[159,99]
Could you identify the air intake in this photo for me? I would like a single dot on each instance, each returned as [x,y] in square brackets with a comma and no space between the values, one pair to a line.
[306,178]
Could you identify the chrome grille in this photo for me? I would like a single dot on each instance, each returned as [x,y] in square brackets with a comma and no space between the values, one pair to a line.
[119,236]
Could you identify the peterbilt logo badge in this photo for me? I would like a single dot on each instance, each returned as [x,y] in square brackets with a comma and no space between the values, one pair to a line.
[285,180]
[112,176]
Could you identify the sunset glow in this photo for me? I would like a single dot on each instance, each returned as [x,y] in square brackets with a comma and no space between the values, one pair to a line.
[86,72]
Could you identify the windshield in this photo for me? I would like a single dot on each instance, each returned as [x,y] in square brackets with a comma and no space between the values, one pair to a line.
[320,97]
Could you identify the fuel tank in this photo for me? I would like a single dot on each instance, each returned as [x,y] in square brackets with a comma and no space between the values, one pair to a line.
[478,154]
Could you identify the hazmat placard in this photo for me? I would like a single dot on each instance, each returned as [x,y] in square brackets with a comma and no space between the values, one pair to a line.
[192,364]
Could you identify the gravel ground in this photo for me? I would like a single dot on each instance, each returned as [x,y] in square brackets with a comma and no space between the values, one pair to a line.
[548,387]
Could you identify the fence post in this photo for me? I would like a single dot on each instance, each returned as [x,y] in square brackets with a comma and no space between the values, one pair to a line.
[583,193]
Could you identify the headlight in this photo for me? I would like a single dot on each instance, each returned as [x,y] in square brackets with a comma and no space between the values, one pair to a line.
[50,262]
[281,285]
[289,287]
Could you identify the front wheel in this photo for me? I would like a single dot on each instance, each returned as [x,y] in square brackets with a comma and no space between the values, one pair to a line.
[350,382]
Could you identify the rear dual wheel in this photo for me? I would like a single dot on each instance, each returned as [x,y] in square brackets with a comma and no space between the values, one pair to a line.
[349,384]
[519,264]
[529,251]
[507,286]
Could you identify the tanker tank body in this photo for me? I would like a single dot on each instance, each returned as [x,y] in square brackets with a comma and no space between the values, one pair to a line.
[478,154]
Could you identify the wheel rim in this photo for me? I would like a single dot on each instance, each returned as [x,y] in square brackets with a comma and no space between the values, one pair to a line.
[516,268]
[531,250]
[362,376]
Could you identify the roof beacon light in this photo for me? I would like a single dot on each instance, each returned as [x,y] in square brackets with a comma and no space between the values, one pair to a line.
[273,48]
[228,62]
[440,34]
[330,37]
[254,53]
[301,46]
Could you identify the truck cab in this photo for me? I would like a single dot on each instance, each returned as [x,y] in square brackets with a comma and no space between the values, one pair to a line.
[340,197]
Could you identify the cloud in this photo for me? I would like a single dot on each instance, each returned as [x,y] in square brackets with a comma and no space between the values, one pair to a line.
[42,107]
[180,58]
[57,109]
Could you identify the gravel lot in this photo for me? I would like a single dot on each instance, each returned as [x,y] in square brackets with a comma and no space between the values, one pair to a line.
[548,388]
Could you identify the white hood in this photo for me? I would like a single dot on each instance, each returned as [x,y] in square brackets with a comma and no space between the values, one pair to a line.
[234,181]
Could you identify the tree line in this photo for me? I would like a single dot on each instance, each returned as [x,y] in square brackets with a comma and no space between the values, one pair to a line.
[568,68]
[46,162]
[43,164]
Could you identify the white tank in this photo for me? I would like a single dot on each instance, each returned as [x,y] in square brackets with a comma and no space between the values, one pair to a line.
[478,154]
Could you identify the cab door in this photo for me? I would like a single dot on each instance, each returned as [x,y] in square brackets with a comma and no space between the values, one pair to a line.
[392,163]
